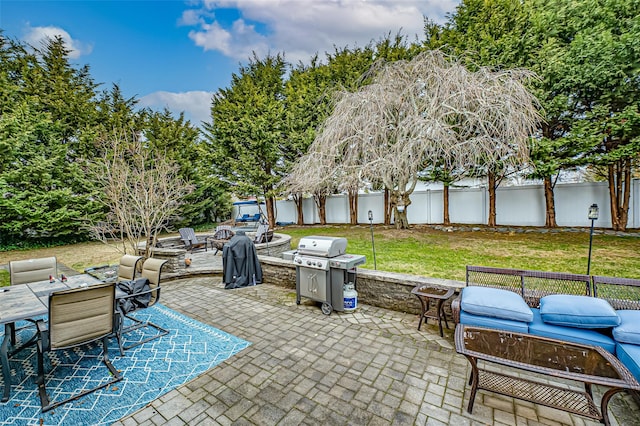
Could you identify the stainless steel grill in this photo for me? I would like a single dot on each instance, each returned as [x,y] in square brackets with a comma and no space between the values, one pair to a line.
[322,270]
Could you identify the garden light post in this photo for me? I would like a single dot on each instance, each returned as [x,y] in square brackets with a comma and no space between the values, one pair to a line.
[593,215]
[373,245]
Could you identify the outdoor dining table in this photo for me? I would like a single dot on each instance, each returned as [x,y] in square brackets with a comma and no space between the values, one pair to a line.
[28,301]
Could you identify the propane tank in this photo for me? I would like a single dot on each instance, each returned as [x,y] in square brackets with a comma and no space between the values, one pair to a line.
[350,297]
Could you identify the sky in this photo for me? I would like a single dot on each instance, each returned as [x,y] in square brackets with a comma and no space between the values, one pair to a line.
[177,53]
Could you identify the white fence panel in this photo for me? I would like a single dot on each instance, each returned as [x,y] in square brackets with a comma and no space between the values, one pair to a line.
[522,205]
[573,201]
[338,209]
[374,202]
[286,212]
[518,206]
[468,205]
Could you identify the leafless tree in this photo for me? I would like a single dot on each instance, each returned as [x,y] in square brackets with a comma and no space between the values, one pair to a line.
[418,112]
[142,192]
[309,176]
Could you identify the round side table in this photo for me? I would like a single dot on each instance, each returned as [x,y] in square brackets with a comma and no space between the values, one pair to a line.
[426,295]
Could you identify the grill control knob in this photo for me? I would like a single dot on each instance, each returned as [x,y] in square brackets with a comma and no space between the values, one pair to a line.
[309,263]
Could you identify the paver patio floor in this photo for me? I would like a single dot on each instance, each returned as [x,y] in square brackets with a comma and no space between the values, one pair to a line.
[369,367]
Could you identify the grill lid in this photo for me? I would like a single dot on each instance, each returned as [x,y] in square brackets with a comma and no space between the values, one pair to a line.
[322,246]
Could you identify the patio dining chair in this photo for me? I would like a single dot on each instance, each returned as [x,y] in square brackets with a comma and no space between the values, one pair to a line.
[77,317]
[143,296]
[129,265]
[28,271]
[191,241]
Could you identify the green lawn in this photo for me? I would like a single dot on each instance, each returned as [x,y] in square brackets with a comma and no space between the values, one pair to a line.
[422,250]
[425,251]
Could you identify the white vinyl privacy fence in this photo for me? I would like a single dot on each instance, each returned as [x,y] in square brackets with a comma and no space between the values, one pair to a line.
[515,206]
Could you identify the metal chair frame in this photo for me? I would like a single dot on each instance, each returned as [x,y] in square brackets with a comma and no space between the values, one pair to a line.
[82,300]
[151,270]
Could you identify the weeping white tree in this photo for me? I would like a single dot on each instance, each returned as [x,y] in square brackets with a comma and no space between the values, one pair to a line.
[309,176]
[416,113]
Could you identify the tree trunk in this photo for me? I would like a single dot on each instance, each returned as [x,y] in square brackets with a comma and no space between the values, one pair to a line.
[401,221]
[400,210]
[271,211]
[445,205]
[321,204]
[550,203]
[492,199]
[297,198]
[353,207]
[619,193]
[387,207]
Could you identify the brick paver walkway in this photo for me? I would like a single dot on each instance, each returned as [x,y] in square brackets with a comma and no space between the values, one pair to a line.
[369,367]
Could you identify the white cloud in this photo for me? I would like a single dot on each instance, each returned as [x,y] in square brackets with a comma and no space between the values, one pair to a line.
[300,28]
[195,104]
[36,36]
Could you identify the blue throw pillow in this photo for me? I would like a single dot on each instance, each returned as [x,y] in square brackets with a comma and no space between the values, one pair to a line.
[629,329]
[496,303]
[578,311]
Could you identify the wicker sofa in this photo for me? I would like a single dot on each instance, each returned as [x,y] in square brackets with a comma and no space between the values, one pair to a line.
[595,310]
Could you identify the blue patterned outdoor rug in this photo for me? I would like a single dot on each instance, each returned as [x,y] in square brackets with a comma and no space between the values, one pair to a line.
[149,370]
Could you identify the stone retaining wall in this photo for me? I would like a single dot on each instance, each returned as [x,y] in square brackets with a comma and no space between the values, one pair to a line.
[389,290]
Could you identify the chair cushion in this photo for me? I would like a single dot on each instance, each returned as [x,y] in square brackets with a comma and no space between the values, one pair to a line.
[570,334]
[490,322]
[629,355]
[629,329]
[578,311]
[496,303]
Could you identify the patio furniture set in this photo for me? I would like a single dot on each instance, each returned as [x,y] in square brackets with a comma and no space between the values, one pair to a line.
[221,236]
[571,326]
[77,310]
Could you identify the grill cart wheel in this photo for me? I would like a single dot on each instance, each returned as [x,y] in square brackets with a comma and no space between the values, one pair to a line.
[326,308]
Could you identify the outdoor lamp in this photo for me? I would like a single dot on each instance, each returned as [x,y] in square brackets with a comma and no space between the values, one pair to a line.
[373,244]
[593,216]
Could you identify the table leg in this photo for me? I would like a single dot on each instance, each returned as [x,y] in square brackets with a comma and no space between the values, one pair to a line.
[424,309]
[440,315]
[475,378]
[605,402]
[4,358]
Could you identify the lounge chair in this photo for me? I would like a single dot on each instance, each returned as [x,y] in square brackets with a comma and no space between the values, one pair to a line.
[76,317]
[191,241]
[143,298]
[263,234]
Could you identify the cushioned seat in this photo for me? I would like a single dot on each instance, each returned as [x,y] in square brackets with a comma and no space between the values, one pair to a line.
[496,303]
[578,311]
[629,355]
[629,329]
[492,322]
[570,334]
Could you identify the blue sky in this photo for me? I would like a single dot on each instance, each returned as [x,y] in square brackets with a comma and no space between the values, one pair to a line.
[176,54]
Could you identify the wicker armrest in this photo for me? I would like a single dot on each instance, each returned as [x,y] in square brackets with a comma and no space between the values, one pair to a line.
[455,308]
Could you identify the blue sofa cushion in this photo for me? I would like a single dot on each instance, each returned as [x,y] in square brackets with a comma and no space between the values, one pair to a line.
[490,322]
[495,303]
[570,334]
[629,355]
[629,329]
[578,311]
